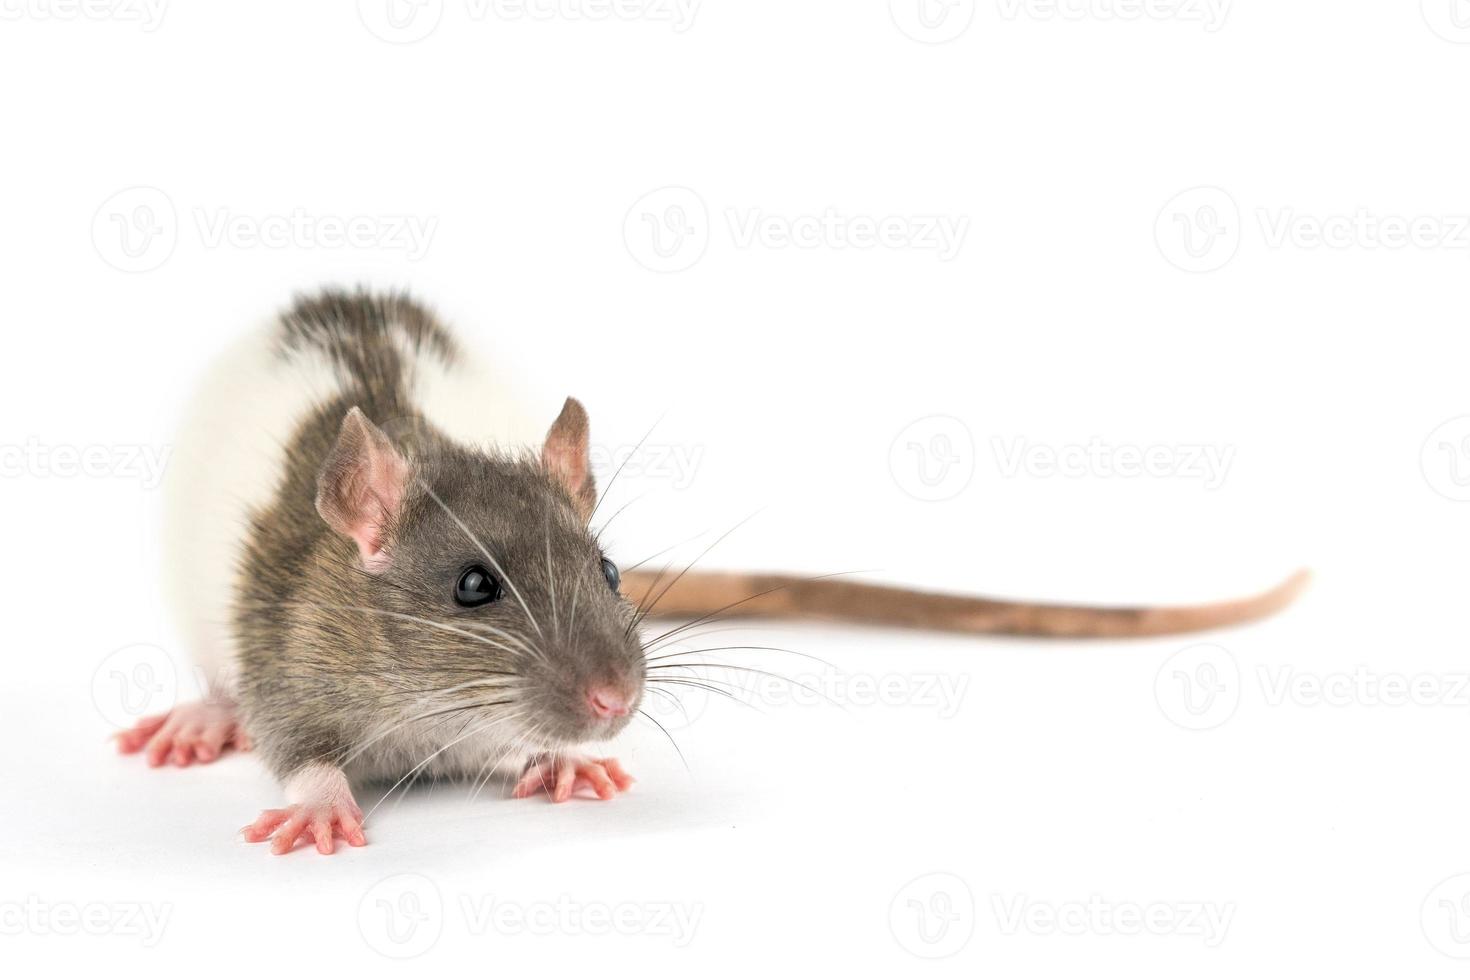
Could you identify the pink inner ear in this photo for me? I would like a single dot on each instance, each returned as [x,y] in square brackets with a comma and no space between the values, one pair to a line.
[567,462]
[361,488]
[564,455]
[369,538]
[375,500]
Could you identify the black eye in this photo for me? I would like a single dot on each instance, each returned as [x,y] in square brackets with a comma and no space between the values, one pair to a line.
[610,572]
[476,587]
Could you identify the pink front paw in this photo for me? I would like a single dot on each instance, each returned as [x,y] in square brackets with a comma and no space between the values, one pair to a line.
[323,810]
[562,776]
[199,730]
[322,823]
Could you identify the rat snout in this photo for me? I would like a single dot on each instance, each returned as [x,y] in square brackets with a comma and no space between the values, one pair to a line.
[607,701]
[601,691]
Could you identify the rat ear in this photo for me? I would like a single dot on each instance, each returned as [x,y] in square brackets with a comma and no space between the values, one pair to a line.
[565,456]
[361,486]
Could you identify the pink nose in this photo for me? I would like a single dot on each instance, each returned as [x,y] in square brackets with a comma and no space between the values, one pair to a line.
[606,702]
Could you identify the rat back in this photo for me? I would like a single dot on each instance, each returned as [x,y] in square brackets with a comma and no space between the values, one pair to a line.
[242,425]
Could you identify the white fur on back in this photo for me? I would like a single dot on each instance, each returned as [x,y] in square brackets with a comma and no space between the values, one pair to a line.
[229,457]
[472,404]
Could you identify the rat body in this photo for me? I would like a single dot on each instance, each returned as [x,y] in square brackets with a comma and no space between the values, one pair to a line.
[384,572]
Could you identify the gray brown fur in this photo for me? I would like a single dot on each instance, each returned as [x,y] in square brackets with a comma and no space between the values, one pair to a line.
[316,679]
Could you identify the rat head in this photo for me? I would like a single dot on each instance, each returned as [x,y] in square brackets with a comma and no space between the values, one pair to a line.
[486,587]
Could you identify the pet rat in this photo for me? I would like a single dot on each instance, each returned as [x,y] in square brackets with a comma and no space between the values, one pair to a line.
[385,570]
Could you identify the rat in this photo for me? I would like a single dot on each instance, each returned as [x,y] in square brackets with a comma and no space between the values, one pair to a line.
[386,570]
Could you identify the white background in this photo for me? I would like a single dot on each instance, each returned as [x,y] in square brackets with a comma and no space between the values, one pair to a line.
[1095,297]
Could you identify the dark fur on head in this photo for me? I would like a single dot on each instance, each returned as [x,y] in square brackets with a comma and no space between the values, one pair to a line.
[346,608]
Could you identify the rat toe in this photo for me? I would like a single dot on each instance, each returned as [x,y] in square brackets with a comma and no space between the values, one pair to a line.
[618,774]
[596,778]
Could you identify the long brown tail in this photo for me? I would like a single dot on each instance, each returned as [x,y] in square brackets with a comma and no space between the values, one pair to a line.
[708,594]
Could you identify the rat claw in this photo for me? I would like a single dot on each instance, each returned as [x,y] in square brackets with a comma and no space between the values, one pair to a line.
[595,777]
[529,782]
[130,740]
[618,773]
[156,752]
[561,777]
[566,781]
[285,839]
[264,826]
[352,829]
